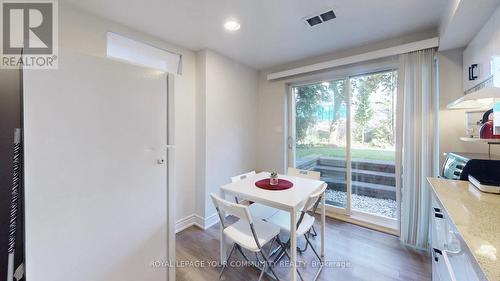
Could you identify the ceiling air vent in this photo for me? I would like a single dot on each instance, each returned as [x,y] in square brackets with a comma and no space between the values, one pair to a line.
[314,21]
[321,18]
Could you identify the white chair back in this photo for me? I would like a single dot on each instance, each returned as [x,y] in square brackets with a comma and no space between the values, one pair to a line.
[313,200]
[313,175]
[240,211]
[242,176]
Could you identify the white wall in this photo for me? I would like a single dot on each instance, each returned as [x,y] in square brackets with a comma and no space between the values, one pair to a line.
[271,120]
[86,33]
[226,97]
[452,122]
[200,135]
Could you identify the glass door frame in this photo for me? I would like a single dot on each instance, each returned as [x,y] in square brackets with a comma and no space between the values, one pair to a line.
[348,214]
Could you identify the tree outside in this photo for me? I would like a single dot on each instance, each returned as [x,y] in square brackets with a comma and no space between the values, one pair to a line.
[308,102]
[364,87]
[321,138]
[320,109]
[373,106]
[321,114]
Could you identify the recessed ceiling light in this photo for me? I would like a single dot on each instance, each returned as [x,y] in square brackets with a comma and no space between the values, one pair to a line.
[232,25]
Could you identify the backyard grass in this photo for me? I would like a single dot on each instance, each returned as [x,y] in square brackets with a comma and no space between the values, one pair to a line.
[356,153]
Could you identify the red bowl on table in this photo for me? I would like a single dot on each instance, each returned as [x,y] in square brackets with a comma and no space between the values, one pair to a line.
[266,184]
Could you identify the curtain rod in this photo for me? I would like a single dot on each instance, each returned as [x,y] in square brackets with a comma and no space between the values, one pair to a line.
[387,52]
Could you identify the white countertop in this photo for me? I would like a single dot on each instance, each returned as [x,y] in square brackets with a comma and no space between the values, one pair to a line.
[477,217]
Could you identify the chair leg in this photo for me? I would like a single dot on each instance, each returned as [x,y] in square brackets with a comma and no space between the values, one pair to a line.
[312,247]
[281,252]
[271,251]
[284,246]
[305,247]
[274,251]
[314,234]
[238,247]
[257,258]
[269,265]
[262,272]
[271,247]
[225,263]
[319,258]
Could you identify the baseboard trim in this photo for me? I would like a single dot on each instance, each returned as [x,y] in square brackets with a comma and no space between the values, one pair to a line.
[184,223]
[207,222]
[196,220]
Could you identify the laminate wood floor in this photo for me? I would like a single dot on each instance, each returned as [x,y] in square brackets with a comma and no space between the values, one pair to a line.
[352,253]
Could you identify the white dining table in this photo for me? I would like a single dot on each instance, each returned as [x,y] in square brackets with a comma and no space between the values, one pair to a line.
[289,200]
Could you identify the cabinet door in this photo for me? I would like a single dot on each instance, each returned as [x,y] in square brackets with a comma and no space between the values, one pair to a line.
[461,267]
[435,267]
[438,238]
[482,55]
[483,50]
[438,225]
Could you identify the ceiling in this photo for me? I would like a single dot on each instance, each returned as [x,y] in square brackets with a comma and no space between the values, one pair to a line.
[272,31]
[457,28]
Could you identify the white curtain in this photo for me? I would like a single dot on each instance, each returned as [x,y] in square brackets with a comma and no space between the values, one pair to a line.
[417,143]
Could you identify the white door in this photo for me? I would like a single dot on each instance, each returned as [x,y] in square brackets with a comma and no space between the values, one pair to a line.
[95,184]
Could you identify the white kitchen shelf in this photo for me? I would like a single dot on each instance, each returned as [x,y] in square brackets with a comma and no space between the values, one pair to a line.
[491,141]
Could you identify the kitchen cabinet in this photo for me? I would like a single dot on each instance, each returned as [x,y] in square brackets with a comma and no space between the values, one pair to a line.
[464,232]
[483,50]
[451,258]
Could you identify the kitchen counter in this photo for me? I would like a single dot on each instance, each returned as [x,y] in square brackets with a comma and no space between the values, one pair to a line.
[476,215]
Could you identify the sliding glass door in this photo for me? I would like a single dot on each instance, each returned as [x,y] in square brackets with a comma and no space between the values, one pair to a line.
[373,185]
[344,129]
[320,118]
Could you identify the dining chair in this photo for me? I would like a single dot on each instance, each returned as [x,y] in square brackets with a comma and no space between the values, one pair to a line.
[239,178]
[243,176]
[308,175]
[247,233]
[258,210]
[303,173]
[305,223]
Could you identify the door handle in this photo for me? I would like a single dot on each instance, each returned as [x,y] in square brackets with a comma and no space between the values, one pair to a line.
[448,266]
[434,254]
[453,241]
[160,161]
[290,143]
[437,251]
